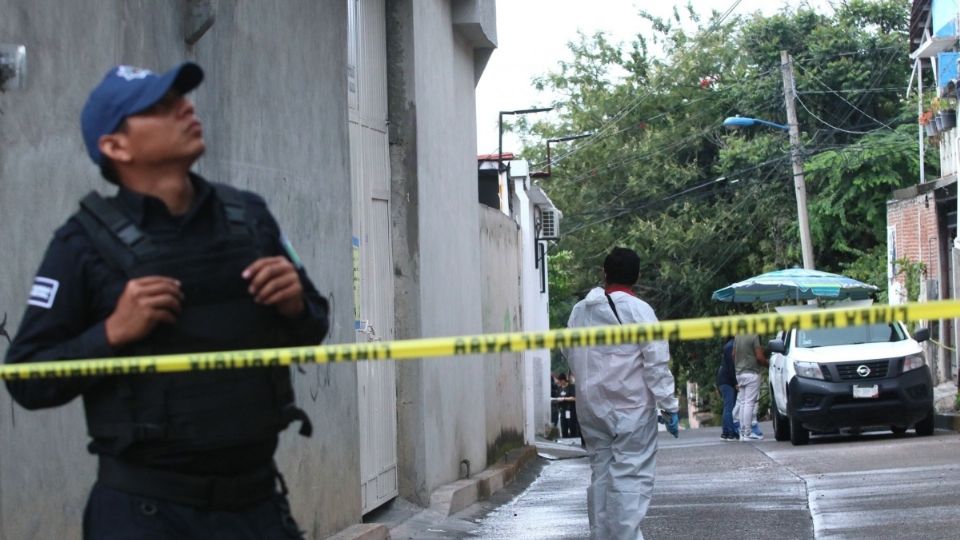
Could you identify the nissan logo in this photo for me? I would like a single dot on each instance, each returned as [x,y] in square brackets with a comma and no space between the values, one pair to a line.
[863,371]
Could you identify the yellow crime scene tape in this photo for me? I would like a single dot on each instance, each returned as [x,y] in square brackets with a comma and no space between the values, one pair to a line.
[677,330]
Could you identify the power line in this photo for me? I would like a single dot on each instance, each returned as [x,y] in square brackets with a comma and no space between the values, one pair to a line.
[594,139]
[623,162]
[850,91]
[621,211]
[725,15]
[831,90]
[894,51]
[828,124]
[728,178]
[624,211]
[602,134]
[620,116]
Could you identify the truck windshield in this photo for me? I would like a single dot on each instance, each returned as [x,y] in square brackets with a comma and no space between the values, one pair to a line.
[871,333]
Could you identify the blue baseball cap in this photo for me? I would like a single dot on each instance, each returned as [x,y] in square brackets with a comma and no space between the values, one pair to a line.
[125,91]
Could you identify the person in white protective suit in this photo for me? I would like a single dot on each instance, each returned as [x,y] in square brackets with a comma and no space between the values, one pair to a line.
[619,390]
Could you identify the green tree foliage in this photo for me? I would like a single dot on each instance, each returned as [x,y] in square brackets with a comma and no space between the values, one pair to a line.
[705,207]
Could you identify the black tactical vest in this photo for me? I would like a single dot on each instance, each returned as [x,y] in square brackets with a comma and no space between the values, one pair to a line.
[193,411]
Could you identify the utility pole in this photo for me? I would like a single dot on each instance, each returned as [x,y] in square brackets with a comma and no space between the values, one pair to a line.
[799,186]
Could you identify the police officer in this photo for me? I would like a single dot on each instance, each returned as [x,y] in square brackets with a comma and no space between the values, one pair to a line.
[171,264]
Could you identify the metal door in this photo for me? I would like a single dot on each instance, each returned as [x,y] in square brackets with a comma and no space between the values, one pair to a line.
[373,256]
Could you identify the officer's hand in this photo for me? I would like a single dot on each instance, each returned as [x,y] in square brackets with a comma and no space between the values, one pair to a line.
[275,282]
[673,424]
[144,303]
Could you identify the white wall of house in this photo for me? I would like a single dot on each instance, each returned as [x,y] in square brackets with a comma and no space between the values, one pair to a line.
[536,305]
[503,382]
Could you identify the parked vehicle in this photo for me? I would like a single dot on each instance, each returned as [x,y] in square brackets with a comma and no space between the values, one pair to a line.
[856,377]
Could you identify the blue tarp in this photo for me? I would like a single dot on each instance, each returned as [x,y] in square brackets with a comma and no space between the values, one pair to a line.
[946,68]
[944,18]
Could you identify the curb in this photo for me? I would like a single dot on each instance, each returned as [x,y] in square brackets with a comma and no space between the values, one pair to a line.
[950,422]
[452,498]
[363,531]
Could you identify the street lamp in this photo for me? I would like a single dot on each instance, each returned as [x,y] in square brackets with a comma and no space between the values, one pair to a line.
[500,125]
[799,185]
[743,121]
[546,174]
[500,146]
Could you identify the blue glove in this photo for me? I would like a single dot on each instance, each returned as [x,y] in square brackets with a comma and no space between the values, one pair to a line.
[673,423]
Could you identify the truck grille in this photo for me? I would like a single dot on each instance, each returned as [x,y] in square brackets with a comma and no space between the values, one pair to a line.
[878,370]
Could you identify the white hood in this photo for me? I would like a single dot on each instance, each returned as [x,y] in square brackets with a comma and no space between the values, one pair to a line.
[855,353]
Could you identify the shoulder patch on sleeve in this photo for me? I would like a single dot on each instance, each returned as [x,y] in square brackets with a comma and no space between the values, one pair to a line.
[43,292]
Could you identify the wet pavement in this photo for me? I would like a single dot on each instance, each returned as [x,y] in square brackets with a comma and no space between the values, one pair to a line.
[554,506]
[872,486]
[880,486]
[707,488]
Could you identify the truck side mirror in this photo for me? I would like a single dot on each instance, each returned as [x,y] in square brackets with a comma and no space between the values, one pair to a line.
[777,346]
[921,335]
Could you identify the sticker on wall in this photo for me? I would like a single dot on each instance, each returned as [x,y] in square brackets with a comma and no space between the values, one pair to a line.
[357,323]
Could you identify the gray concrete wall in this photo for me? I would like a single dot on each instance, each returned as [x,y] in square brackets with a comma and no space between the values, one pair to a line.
[274,107]
[405,231]
[449,232]
[503,372]
[436,241]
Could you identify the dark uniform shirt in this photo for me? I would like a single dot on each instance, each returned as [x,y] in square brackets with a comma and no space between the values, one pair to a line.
[76,290]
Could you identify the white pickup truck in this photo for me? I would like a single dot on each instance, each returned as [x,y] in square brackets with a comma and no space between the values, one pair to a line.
[857,377]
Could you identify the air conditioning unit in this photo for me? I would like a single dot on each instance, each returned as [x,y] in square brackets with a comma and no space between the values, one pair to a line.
[549,223]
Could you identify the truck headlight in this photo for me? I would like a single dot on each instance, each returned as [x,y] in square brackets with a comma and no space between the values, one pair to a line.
[913,361]
[809,370]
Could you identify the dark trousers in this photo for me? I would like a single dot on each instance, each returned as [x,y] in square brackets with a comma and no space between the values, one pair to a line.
[569,426]
[729,401]
[116,515]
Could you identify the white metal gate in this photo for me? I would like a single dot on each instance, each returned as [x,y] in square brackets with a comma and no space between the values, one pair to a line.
[373,255]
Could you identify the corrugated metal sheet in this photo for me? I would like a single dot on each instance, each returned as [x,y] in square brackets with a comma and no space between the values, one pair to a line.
[373,62]
[353,40]
[370,169]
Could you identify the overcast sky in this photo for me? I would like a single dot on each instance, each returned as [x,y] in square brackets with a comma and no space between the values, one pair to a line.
[532,37]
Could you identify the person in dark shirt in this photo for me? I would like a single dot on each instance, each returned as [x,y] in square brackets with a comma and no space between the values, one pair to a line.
[567,401]
[171,264]
[727,384]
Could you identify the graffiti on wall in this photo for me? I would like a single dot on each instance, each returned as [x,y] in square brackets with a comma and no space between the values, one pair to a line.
[3,328]
[5,334]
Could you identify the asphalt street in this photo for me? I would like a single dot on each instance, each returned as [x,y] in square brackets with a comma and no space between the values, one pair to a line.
[872,486]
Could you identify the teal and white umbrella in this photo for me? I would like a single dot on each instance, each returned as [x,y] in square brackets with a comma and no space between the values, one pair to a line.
[795,284]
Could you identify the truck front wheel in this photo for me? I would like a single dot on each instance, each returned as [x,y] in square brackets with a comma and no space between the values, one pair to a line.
[925,427]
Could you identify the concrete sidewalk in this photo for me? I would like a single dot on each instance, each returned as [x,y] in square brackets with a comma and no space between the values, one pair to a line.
[402,518]
[944,396]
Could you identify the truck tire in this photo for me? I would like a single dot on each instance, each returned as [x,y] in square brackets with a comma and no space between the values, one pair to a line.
[799,435]
[925,427]
[781,424]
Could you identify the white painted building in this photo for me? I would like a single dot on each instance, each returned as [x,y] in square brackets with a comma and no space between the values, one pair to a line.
[538,222]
